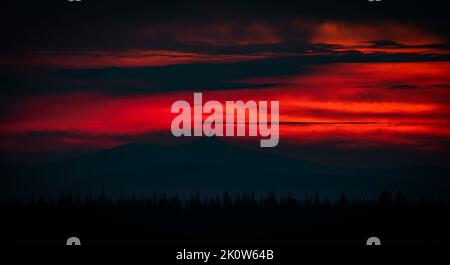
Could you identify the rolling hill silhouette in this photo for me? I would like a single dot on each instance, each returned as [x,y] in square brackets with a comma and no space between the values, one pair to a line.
[209,166]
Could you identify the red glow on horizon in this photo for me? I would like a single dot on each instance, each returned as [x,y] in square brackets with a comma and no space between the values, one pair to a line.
[372,104]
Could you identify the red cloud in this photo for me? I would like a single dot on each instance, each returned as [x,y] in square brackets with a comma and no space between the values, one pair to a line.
[359,104]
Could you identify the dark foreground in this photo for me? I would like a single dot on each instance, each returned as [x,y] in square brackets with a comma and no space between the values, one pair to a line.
[238,221]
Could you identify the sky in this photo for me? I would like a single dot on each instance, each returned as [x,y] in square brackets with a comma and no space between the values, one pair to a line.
[353,79]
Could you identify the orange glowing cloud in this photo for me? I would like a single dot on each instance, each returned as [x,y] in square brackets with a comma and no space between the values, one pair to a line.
[398,38]
[343,33]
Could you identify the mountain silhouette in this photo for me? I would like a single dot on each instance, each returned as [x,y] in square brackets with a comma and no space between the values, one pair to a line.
[208,166]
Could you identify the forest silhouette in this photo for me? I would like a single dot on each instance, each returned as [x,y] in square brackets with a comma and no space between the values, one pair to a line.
[228,219]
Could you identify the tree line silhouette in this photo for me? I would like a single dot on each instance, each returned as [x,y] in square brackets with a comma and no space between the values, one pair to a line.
[247,200]
[243,217]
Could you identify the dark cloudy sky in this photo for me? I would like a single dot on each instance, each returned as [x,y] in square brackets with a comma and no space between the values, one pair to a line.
[352,77]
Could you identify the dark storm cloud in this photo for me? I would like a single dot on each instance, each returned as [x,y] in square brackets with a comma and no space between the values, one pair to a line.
[110,24]
[206,76]
[392,44]
[402,87]
[203,27]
